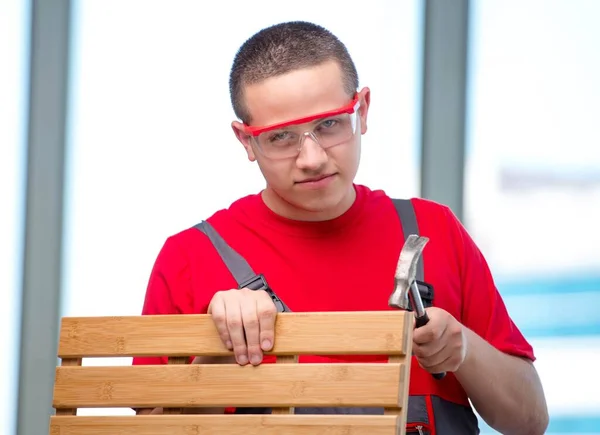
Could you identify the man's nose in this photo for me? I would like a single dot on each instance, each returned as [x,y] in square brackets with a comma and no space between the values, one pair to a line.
[312,156]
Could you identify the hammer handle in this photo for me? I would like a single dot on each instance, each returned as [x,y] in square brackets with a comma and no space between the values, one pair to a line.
[422,321]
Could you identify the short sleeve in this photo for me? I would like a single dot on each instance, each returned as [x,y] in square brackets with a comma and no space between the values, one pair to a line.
[483,309]
[169,288]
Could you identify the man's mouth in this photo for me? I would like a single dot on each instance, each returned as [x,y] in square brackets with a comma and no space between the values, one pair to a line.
[315,179]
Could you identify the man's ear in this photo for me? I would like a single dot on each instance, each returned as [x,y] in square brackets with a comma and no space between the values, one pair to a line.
[364,96]
[238,129]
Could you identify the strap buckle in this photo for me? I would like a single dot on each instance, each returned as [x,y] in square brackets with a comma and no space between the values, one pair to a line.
[258,282]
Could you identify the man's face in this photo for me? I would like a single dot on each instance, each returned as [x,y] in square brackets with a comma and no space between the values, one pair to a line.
[309,166]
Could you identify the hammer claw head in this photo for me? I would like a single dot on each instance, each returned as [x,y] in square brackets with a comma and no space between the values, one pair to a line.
[406,270]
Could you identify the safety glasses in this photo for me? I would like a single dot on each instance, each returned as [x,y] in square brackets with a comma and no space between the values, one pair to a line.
[328,129]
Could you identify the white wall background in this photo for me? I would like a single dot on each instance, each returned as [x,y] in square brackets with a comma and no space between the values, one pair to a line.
[151,147]
[13,93]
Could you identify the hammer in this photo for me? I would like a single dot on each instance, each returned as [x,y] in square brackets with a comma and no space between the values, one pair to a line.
[406,284]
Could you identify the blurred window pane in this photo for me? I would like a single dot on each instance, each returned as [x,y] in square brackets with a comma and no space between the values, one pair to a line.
[533,185]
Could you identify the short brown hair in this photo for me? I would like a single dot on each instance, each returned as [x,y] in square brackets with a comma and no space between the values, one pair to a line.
[283,48]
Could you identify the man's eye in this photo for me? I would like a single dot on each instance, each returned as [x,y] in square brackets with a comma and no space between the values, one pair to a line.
[328,123]
[277,137]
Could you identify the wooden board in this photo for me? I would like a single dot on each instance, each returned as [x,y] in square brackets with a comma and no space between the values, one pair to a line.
[225,425]
[336,333]
[267,385]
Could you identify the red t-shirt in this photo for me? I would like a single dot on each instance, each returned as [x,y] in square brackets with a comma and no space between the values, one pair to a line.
[346,264]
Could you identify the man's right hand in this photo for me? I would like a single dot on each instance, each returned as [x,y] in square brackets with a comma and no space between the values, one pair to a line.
[245,320]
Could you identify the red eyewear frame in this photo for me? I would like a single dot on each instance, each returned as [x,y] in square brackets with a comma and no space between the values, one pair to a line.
[257,130]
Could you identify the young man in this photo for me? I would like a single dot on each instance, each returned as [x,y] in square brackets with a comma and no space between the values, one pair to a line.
[318,238]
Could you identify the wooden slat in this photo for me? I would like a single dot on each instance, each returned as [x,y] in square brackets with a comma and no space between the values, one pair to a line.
[285,359]
[180,360]
[402,411]
[267,385]
[342,333]
[225,425]
[69,362]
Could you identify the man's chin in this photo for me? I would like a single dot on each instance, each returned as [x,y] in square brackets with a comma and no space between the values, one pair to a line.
[323,205]
[309,204]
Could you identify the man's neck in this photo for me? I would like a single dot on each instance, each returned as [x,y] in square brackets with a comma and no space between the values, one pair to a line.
[283,208]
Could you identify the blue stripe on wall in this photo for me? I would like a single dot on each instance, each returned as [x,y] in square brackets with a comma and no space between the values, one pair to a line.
[563,425]
[556,314]
[557,306]
[560,284]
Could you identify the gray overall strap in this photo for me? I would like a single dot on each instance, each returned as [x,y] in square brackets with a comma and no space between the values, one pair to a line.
[243,274]
[239,268]
[408,219]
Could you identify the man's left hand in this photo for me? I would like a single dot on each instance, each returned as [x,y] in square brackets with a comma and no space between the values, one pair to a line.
[440,345]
